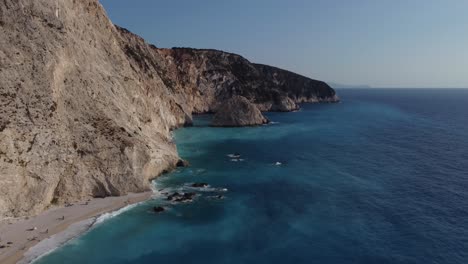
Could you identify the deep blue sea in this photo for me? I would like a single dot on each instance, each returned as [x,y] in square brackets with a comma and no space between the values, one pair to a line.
[381,177]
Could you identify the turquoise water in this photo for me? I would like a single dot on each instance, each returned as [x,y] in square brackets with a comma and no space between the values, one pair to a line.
[379,178]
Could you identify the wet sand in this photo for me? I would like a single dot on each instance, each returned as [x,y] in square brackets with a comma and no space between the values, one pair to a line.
[25,239]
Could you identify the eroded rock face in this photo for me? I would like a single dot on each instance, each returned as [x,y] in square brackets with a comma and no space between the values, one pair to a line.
[78,119]
[210,77]
[238,111]
[86,108]
[284,104]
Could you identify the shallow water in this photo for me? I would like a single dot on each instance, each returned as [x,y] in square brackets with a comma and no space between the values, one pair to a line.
[378,178]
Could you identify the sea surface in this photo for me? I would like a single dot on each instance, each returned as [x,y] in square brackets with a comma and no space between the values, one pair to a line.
[381,177]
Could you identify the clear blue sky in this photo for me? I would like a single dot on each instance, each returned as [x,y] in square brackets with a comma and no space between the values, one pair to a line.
[382,43]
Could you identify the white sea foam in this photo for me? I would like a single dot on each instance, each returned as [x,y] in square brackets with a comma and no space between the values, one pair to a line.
[237,160]
[157,190]
[106,216]
[216,190]
[75,230]
[200,171]
[208,188]
[50,244]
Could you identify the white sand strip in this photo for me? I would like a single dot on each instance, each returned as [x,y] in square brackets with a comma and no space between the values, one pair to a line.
[24,234]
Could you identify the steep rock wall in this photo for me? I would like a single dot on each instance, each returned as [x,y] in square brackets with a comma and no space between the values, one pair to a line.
[213,76]
[86,108]
[77,118]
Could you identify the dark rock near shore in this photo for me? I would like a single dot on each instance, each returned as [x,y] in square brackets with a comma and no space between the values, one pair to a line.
[181,197]
[159,209]
[173,196]
[238,111]
[200,185]
[216,197]
[182,163]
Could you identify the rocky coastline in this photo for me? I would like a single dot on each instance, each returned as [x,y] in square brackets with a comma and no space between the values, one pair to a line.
[87,107]
[238,111]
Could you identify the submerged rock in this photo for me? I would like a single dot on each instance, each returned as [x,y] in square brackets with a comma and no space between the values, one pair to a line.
[216,197]
[173,196]
[200,185]
[159,209]
[181,197]
[238,111]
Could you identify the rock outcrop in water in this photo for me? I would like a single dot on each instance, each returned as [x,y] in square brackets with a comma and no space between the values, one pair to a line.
[87,107]
[238,111]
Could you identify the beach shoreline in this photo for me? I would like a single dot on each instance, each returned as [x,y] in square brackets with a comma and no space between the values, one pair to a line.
[26,239]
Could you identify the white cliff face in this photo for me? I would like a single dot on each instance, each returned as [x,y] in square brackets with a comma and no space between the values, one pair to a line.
[77,118]
[87,108]
[238,111]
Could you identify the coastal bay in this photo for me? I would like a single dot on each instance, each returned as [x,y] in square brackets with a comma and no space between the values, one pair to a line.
[377,178]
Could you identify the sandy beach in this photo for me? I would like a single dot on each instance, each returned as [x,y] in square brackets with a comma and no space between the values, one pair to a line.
[24,239]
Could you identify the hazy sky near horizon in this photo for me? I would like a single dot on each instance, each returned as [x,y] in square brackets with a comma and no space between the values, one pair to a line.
[382,43]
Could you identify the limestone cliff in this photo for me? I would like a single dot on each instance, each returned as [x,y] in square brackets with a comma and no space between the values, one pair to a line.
[212,76]
[238,111]
[78,119]
[86,108]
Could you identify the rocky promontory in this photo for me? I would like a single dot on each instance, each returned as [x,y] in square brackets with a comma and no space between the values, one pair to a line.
[211,77]
[87,107]
[238,111]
